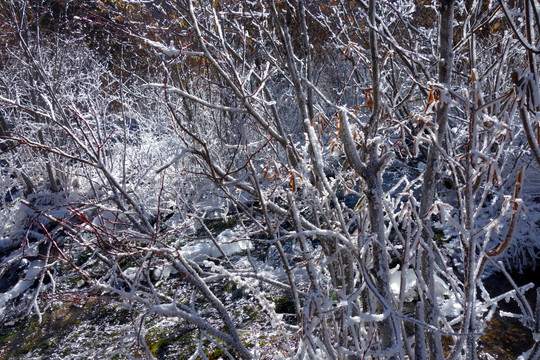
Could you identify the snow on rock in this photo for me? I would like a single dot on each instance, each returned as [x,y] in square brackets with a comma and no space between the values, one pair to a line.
[130,273]
[163,272]
[410,284]
[23,284]
[6,243]
[445,298]
[228,241]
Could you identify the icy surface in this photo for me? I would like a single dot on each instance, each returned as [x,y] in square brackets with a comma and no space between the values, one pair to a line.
[32,273]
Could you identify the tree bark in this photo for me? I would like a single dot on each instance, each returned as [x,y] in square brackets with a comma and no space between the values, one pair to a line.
[432,167]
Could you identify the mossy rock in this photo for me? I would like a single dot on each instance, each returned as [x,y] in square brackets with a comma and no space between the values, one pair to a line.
[31,336]
[171,343]
[159,348]
[284,305]
[59,325]
[505,338]
[217,226]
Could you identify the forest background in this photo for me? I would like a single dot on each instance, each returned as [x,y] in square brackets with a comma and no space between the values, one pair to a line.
[270,179]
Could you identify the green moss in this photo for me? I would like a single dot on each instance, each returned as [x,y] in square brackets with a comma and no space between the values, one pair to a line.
[27,338]
[231,286]
[253,311]
[5,339]
[219,225]
[215,354]
[74,280]
[57,326]
[166,342]
[439,237]
[333,295]
[127,262]
[284,305]
[159,348]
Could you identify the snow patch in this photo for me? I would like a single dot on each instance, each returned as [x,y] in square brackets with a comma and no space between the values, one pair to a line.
[228,242]
[410,284]
[447,301]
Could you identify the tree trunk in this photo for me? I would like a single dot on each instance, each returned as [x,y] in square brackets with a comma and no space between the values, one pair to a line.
[428,188]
